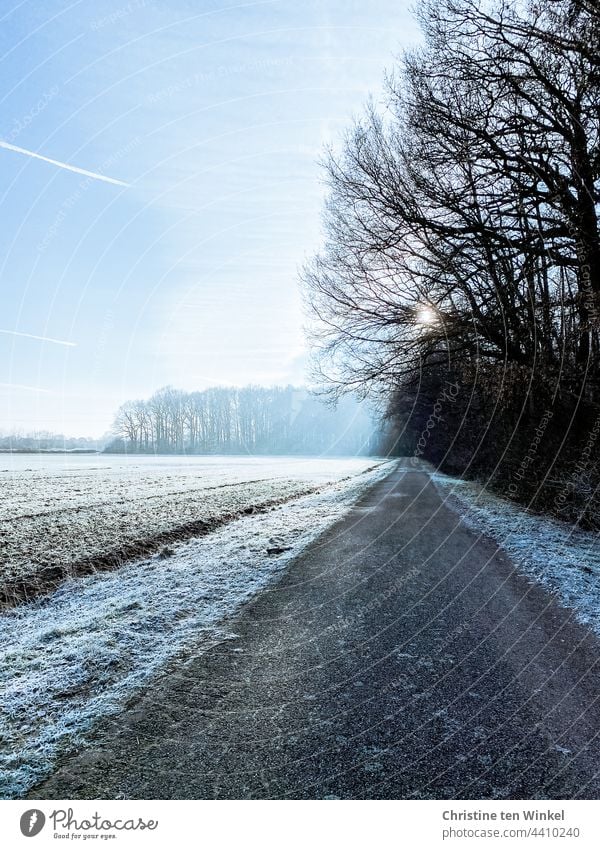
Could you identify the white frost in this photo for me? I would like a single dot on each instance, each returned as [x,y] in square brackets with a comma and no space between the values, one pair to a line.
[563,558]
[82,652]
[58,510]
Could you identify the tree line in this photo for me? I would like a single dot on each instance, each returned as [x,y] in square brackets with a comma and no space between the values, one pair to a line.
[45,441]
[252,419]
[463,245]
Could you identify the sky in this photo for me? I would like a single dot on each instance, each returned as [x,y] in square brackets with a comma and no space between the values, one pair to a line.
[206,121]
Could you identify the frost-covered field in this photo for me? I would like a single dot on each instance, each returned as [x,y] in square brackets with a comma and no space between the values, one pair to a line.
[562,558]
[79,512]
[82,652]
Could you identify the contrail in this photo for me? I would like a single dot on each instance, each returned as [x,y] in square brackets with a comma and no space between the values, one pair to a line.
[64,165]
[41,338]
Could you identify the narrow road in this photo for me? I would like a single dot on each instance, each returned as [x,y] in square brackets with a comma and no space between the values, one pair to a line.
[401,656]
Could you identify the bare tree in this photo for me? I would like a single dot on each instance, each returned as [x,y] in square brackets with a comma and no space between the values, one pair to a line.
[254,419]
[462,238]
[462,221]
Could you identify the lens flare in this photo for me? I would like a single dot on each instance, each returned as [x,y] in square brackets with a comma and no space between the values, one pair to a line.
[426,315]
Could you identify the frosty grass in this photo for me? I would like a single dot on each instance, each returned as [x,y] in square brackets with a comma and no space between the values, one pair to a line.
[81,653]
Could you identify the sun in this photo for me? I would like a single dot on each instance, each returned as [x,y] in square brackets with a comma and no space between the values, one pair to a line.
[426,315]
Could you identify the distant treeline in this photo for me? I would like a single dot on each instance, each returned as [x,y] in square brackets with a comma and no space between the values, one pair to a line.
[250,420]
[44,441]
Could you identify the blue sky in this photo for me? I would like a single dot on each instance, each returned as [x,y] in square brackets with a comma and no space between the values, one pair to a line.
[215,115]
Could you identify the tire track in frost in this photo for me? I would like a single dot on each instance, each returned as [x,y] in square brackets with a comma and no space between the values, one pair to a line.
[22,590]
[78,508]
[46,575]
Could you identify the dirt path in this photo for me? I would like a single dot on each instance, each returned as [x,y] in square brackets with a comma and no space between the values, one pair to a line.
[400,657]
